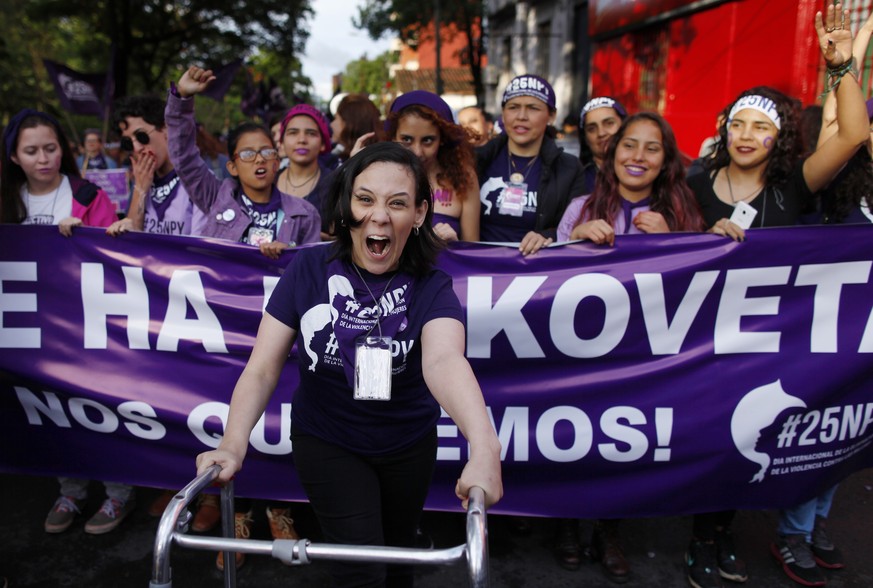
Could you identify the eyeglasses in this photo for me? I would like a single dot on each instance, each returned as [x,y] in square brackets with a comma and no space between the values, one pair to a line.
[248,155]
[142,137]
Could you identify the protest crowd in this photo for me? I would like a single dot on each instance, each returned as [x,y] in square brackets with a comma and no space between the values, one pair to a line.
[386,195]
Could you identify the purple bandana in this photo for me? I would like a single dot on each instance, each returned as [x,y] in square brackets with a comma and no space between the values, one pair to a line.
[163,191]
[627,208]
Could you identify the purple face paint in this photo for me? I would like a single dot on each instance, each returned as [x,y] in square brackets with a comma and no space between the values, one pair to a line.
[443,197]
[730,139]
[768,143]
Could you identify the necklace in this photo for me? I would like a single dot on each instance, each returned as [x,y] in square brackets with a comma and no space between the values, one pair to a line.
[752,194]
[304,182]
[51,210]
[515,176]
[378,302]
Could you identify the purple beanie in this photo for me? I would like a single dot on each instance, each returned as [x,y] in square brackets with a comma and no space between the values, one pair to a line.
[530,85]
[320,121]
[424,98]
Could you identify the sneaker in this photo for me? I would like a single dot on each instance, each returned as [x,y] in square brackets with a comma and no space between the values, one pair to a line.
[159,504]
[61,516]
[823,550]
[701,561]
[281,525]
[208,514]
[242,526]
[730,567]
[798,563]
[109,516]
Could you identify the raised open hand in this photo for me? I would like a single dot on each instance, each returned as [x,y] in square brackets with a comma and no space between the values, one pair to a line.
[834,35]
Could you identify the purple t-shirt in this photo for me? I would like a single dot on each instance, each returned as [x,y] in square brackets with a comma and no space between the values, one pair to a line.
[327,303]
[505,228]
[265,218]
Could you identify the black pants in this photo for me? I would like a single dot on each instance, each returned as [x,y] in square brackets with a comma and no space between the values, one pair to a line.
[706,523]
[361,500]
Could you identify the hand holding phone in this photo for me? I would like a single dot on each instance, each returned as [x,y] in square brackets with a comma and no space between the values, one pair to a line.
[743,215]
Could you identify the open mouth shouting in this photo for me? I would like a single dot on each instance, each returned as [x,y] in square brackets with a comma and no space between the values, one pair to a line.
[378,245]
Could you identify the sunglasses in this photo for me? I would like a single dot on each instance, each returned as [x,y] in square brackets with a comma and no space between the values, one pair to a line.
[249,155]
[142,137]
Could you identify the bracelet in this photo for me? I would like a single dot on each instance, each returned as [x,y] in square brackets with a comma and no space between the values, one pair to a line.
[835,74]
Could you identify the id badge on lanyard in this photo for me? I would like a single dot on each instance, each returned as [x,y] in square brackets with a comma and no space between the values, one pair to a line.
[373,368]
[259,235]
[513,198]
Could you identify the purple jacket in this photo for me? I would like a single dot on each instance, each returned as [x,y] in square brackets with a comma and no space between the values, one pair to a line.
[299,220]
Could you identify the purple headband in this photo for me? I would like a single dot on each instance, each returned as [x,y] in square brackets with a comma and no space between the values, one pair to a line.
[10,136]
[530,85]
[316,115]
[424,98]
[603,102]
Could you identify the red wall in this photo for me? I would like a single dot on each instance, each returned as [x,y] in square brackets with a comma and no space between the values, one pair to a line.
[713,55]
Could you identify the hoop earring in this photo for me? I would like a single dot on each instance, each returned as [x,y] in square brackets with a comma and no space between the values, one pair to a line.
[415,230]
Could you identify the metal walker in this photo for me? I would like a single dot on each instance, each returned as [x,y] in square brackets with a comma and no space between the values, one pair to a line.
[173,528]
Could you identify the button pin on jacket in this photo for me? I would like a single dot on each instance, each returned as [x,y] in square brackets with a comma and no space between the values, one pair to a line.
[228,215]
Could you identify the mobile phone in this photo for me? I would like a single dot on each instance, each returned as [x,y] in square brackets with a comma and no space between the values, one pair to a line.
[743,215]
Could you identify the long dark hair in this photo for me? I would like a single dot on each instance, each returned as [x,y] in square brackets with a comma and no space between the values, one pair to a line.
[455,154]
[671,196]
[852,188]
[360,117]
[421,250]
[12,177]
[789,140]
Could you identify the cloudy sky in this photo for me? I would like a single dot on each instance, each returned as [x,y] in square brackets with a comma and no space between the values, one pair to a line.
[333,42]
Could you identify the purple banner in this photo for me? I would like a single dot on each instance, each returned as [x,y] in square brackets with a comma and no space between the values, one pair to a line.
[114,183]
[79,93]
[667,375]
[224,76]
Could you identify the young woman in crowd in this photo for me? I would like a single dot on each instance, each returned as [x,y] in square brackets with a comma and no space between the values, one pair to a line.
[40,182]
[422,122]
[802,544]
[355,117]
[248,208]
[640,189]
[757,161]
[525,179]
[40,185]
[757,157]
[305,135]
[598,122]
[159,202]
[363,443]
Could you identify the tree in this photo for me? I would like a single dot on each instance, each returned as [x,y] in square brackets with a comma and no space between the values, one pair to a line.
[410,19]
[368,76]
[153,39]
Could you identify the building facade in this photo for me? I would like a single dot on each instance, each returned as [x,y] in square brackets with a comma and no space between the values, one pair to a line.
[686,59]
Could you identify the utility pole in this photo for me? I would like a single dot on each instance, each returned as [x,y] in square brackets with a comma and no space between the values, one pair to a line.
[436,26]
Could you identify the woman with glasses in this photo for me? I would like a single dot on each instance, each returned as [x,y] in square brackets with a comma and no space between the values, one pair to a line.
[159,202]
[247,208]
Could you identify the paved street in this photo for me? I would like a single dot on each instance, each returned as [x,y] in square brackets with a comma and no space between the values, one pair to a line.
[30,557]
